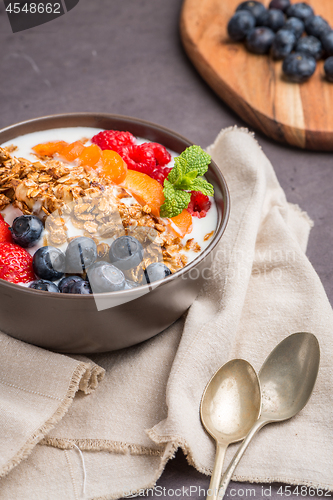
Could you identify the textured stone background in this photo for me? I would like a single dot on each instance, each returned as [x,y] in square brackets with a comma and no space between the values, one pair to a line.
[125,57]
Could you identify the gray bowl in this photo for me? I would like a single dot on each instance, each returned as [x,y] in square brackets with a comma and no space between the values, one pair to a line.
[73,323]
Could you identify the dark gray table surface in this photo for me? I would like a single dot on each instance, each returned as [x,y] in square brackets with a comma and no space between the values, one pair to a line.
[125,57]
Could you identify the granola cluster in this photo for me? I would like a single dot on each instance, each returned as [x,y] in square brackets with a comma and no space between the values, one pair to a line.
[69,197]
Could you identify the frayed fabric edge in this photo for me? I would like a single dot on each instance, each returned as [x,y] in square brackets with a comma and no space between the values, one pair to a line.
[304,215]
[79,372]
[233,128]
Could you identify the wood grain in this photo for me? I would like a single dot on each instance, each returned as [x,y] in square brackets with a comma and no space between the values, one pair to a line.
[252,85]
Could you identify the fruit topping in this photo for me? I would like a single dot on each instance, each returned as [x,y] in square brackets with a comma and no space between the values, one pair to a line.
[126,252]
[274,19]
[145,190]
[279,4]
[310,46]
[199,204]
[327,41]
[49,263]
[15,264]
[299,67]
[259,40]
[65,284]
[148,158]
[182,223]
[317,26]
[328,68]
[105,277]
[114,167]
[80,254]
[44,285]
[295,25]
[50,148]
[113,139]
[283,44]
[90,156]
[72,151]
[5,233]
[156,271]
[129,285]
[301,10]
[27,230]
[81,287]
[241,23]
[257,9]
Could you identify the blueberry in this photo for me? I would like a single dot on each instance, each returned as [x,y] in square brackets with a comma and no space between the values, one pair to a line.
[257,9]
[274,19]
[49,263]
[240,25]
[328,68]
[301,10]
[105,277]
[311,46]
[129,285]
[259,40]
[279,4]
[66,284]
[156,271]
[317,26]
[126,252]
[80,254]
[327,41]
[46,286]
[299,67]
[26,230]
[283,44]
[295,25]
[81,287]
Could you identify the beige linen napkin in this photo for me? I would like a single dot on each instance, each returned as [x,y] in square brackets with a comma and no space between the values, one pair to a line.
[261,288]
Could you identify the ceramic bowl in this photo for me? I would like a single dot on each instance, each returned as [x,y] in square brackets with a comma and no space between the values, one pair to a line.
[80,324]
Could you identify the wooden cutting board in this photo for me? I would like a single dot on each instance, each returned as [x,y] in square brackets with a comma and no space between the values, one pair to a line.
[252,85]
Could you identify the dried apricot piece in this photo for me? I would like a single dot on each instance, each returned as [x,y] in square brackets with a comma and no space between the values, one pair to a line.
[113,166]
[49,148]
[90,156]
[146,191]
[181,224]
[72,151]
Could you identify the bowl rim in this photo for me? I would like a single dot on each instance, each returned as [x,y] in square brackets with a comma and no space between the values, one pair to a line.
[135,121]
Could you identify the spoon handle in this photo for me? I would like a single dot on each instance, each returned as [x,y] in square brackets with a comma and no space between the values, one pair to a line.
[225,480]
[217,471]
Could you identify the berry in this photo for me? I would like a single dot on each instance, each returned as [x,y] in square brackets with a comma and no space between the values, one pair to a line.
[139,158]
[257,10]
[160,174]
[327,41]
[49,263]
[317,26]
[113,139]
[279,4]
[80,254]
[241,23]
[299,67]
[328,68]
[66,284]
[199,204]
[259,40]
[27,230]
[46,286]
[162,155]
[274,19]
[129,285]
[301,10]
[310,46]
[126,252]
[283,44]
[104,277]
[156,271]
[5,233]
[295,25]
[15,264]
[81,287]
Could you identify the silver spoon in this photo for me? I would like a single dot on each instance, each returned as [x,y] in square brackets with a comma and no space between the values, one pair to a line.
[287,378]
[229,407]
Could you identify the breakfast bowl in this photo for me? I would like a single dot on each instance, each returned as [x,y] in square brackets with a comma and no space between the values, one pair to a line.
[106,321]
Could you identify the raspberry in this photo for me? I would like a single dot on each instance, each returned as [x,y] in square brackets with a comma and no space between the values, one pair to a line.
[160,174]
[138,158]
[199,204]
[162,156]
[113,139]
[5,234]
[15,264]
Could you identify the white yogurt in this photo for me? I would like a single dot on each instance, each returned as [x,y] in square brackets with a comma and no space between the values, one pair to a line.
[24,143]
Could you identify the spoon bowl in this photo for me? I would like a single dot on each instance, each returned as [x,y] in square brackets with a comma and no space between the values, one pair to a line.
[229,407]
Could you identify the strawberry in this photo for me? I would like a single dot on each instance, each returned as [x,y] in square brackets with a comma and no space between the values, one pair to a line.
[5,234]
[15,264]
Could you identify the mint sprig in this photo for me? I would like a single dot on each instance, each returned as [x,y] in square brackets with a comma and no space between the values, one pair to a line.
[184,178]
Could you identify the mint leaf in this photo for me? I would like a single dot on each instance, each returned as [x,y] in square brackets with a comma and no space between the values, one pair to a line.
[202,185]
[178,170]
[175,200]
[197,159]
